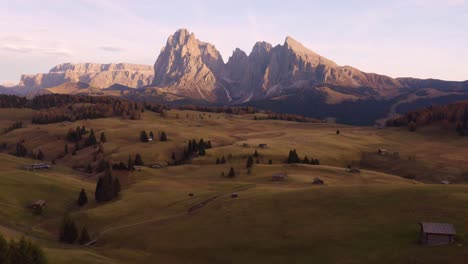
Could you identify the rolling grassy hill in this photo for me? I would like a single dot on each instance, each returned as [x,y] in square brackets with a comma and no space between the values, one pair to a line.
[369,217]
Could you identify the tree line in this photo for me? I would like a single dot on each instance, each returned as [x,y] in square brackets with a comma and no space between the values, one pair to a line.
[221,109]
[455,115]
[21,251]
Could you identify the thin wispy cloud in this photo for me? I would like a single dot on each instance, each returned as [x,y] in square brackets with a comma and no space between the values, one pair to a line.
[112,48]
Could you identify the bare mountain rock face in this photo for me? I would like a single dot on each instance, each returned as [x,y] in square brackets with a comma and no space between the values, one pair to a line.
[189,67]
[97,75]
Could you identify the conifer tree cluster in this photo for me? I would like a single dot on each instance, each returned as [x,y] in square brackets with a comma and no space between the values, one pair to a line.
[75,135]
[15,125]
[294,158]
[196,148]
[221,161]
[21,150]
[21,252]
[69,232]
[107,187]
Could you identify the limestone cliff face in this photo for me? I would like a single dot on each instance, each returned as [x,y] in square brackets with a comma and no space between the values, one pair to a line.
[268,71]
[189,67]
[97,75]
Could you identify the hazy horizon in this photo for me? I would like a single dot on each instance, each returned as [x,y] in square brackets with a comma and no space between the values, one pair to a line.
[422,39]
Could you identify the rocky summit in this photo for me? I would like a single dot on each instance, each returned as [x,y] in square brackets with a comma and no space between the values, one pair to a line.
[98,75]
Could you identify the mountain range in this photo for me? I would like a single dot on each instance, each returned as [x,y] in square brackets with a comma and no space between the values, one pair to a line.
[286,78]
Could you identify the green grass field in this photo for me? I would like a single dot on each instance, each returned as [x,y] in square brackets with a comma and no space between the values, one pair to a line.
[371,217]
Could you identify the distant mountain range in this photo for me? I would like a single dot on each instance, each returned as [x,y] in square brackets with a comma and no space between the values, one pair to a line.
[285,78]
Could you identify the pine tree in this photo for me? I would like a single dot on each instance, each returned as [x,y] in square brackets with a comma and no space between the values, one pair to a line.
[173,157]
[68,230]
[143,136]
[91,139]
[194,146]
[83,130]
[151,135]
[139,160]
[249,162]
[66,149]
[130,163]
[270,161]
[21,150]
[84,236]
[163,136]
[102,166]
[256,154]
[99,192]
[40,155]
[108,183]
[223,160]
[103,138]
[232,173]
[306,160]
[217,161]
[82,198]
[117,187]
[338,132]
[201,151]
[3,249]
[201,143]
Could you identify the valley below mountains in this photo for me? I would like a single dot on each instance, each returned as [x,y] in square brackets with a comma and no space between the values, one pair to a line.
[287,78]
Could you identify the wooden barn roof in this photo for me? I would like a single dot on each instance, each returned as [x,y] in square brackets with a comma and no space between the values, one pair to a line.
[438,228]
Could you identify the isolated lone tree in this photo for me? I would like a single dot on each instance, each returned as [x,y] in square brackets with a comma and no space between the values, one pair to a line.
[82,198]
[143,136]
[250,162]
[138,160]
[163,136]
[103,138]
[40,155]
[84,236]
[68,231]
[232,173]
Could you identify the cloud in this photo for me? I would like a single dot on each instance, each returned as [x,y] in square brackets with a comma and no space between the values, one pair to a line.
[112,48]
[17,48]
[59,51]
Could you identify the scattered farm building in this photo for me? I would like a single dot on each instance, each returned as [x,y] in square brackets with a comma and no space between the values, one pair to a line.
[262,145]
[279,176]
[38,166]
[382,152]
[318,181]
[354,170]
[38,204]
[434,234]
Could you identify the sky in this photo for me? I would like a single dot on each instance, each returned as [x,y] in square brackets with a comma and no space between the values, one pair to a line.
[399,38]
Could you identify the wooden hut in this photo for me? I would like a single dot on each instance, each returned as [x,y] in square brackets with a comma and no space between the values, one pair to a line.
[281,176]
[318,181]
[434,234]
[38,204]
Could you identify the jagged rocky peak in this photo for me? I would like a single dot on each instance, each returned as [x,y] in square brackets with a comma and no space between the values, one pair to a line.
[260,48]
[188,66]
